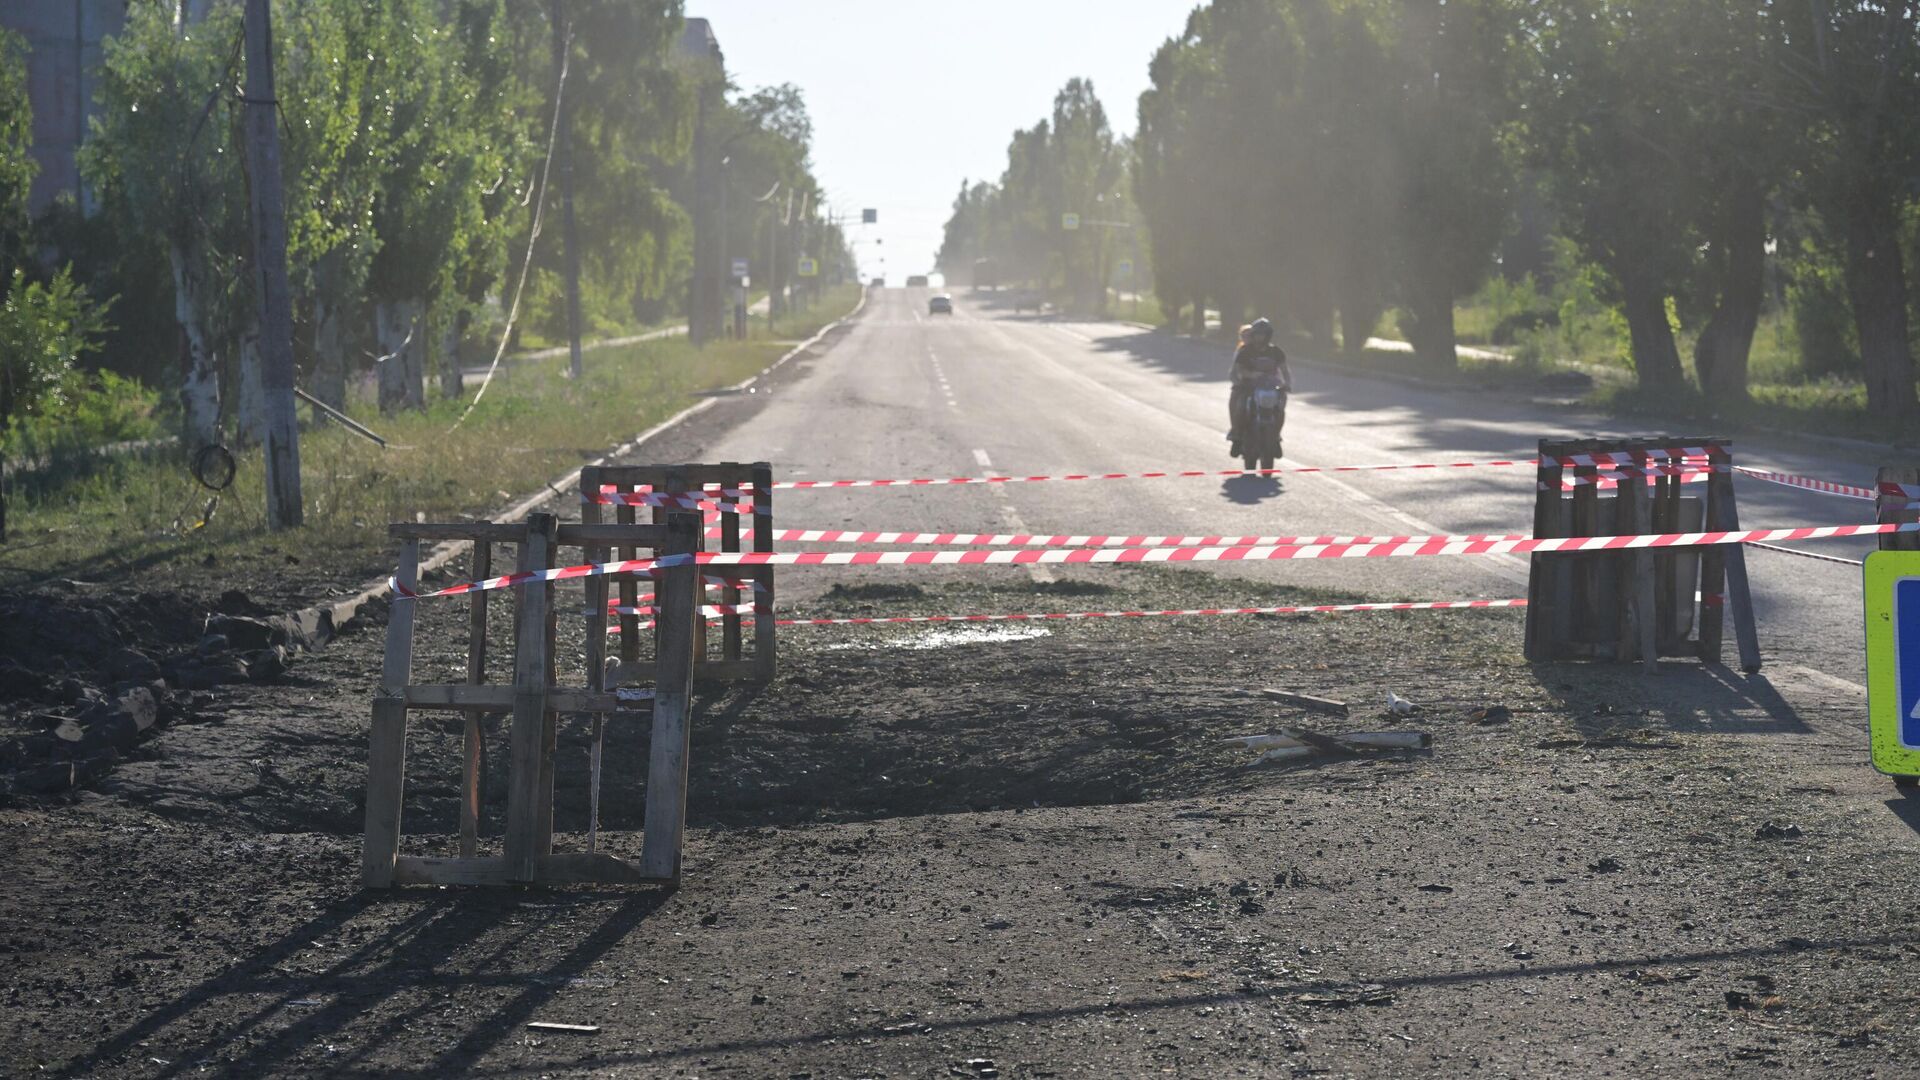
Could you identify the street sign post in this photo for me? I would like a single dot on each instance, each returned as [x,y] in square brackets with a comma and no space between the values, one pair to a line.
[1892,603]
[1069,221]
[808,267]
[739,269]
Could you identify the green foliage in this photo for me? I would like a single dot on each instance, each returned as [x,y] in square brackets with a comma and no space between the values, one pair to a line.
[1822,321]
[120,511]
[44,331]
[95,410]
[1068,163]
[17,167]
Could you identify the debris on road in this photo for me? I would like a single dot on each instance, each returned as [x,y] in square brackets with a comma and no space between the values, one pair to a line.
[1491,714]
[1307,701]
[1290,744]
[1774,830]
[575,1029]
[1400,706]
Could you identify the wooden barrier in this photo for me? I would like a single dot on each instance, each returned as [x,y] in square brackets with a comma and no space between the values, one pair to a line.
[734,661]
[1636,604]
[534,700]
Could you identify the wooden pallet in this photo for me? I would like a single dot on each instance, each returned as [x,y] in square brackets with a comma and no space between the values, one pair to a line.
[1636,605]
[732,661]
[533,700]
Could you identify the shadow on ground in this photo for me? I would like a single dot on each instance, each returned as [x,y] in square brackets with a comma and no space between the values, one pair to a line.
[405,957]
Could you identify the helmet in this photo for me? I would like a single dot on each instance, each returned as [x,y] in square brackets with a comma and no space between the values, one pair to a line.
[1261,331]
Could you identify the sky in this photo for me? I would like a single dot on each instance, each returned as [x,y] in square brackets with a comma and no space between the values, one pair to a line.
[910,97]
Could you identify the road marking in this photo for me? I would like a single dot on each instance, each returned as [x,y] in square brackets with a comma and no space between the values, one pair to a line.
[1832,682]
[945,387]
[1040,574]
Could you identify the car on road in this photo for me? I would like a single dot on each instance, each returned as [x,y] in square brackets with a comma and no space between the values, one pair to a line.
[941,304]
[878,283]
[917,281]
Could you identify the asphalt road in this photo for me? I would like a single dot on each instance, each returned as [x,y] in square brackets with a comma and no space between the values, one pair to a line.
[908,394]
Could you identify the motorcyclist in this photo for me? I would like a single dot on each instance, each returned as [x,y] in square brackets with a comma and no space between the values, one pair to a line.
[1256,359]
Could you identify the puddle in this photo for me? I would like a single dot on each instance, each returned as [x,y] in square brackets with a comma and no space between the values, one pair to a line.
[947,637]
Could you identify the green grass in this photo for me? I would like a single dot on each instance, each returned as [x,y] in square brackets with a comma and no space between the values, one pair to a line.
[533,425]
[1146,310]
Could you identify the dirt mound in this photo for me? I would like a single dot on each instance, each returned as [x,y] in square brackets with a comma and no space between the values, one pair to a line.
[86,671]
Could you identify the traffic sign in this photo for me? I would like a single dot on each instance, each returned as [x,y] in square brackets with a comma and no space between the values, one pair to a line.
[1892,604]
[1124,268]
[869,217]
[1069,221]
[739,268]
[808,267]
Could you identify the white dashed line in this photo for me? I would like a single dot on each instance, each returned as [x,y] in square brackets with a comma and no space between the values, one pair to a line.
[1040,574]
[945,387]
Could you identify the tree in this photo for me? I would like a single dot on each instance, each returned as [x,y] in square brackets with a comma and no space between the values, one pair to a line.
[17,167]
[1853,69]
[163,161]
[1604,128]
[1452,77]
[1085,170]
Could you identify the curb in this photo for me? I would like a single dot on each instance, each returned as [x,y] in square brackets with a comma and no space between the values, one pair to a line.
[327,619]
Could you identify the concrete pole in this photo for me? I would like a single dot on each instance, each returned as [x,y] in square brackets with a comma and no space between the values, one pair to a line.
[281,422]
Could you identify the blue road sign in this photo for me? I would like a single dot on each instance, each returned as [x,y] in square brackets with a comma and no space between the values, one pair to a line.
[1891,601]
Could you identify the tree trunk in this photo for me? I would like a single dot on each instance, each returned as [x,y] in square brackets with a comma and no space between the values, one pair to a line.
[1877,291]
[398,336]
[251,428]
[329,352]
[1200,317]
[1656,358]
[452,382]
[1359,311]
[1429,329]
[200,382]
[1738,257]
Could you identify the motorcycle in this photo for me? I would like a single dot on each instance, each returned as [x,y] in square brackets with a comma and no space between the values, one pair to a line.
[1262,416]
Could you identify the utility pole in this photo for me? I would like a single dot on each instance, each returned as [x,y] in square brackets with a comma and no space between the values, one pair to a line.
[270,264]
[569,239]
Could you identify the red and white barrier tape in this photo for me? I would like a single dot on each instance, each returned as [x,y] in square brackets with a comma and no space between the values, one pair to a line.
[650,567]
[1621,458]
[711,611]
[934,481]
[1605,483]
[1827,487]
[1624,461]
[1056,616]
[1412,546]
[667,499]
[851,536]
